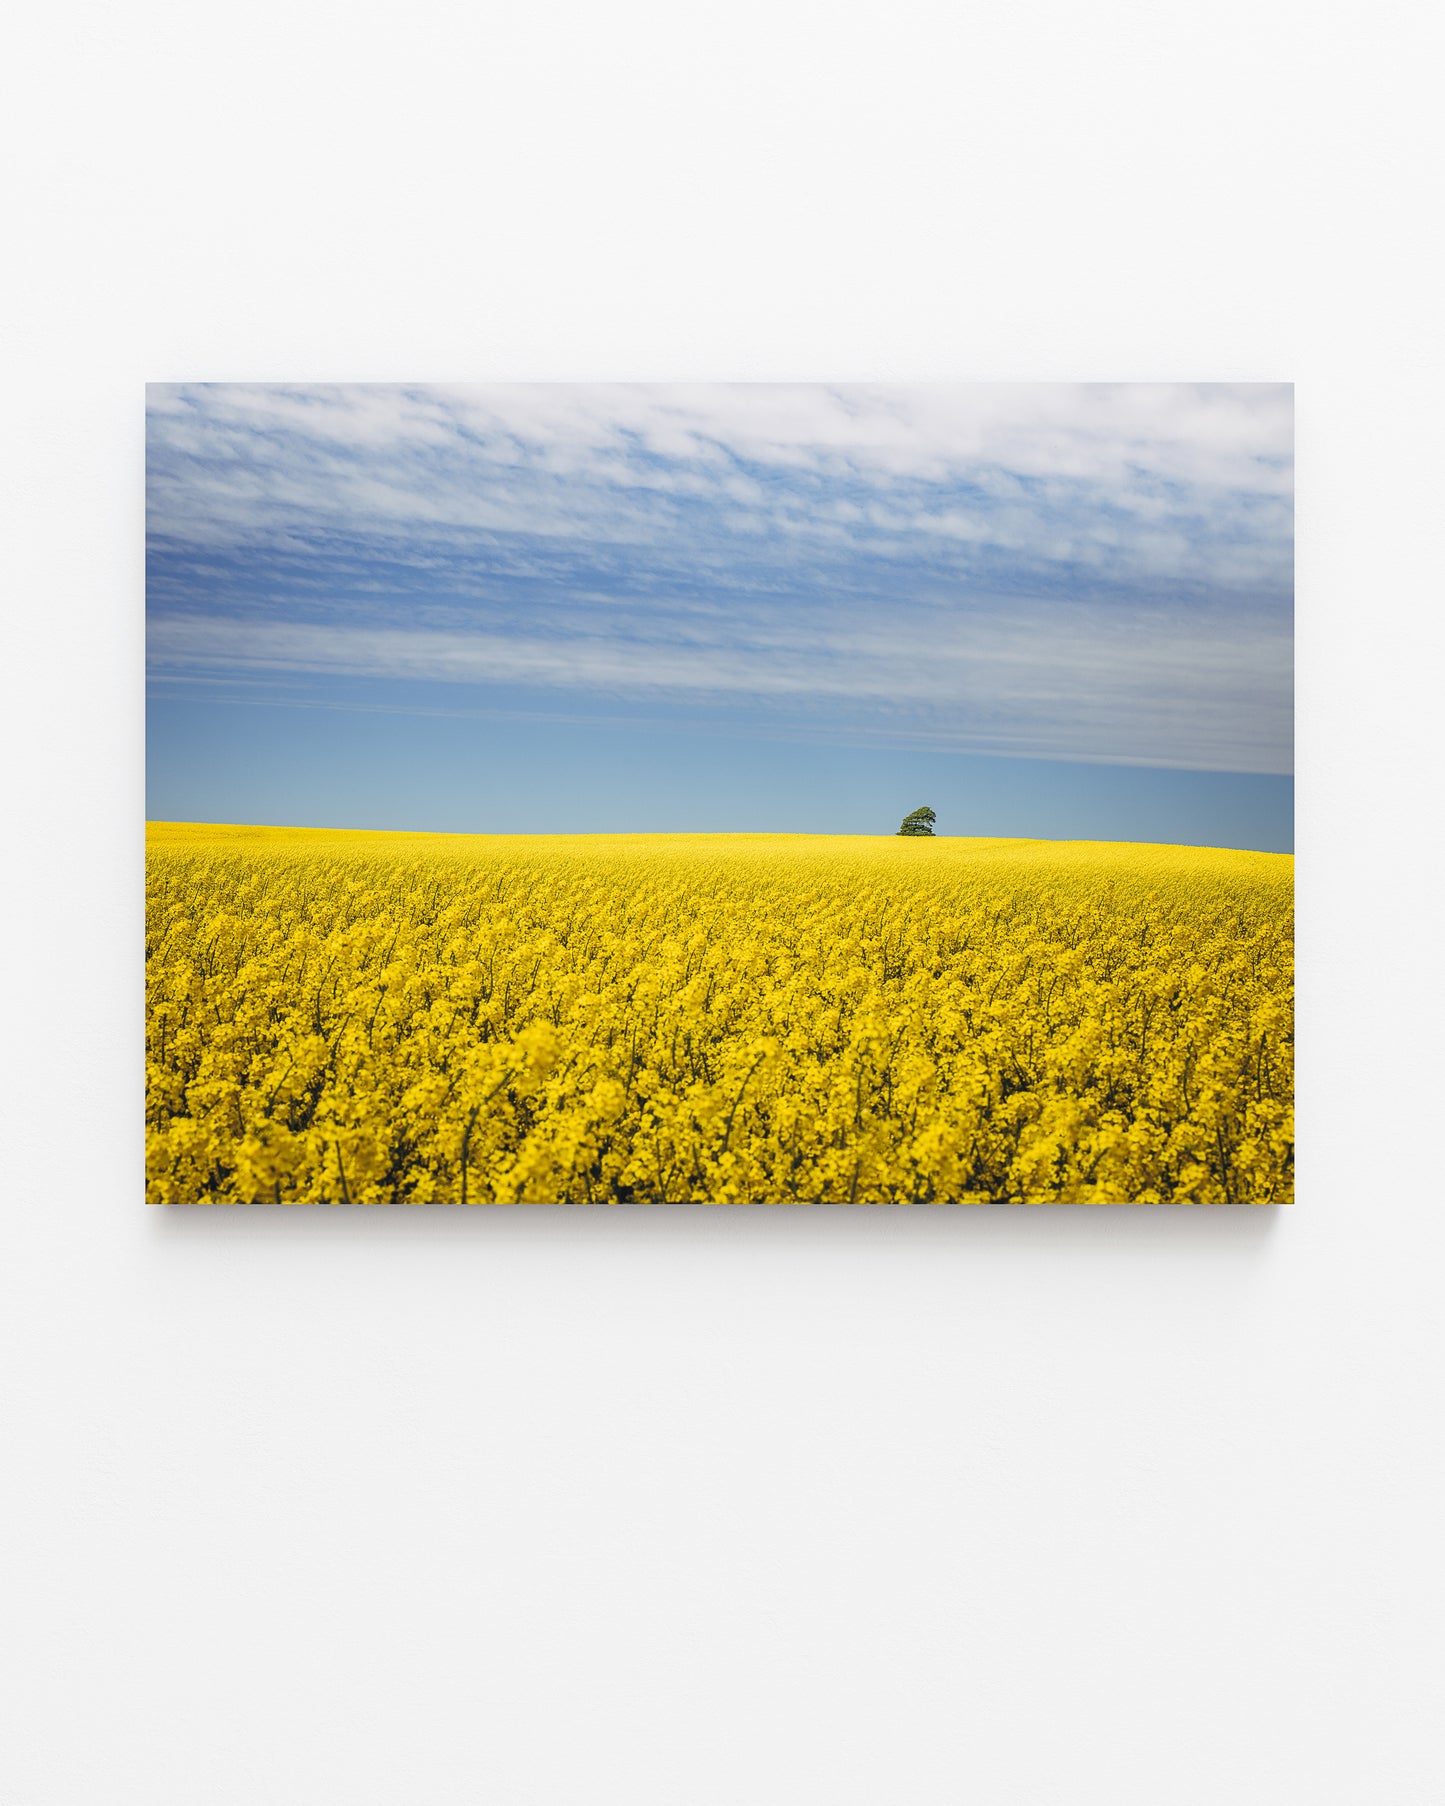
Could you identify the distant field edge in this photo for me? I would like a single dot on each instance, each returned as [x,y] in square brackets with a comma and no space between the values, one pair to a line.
[160,833]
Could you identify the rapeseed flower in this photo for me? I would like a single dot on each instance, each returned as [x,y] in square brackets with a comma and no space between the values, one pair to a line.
[371,1018]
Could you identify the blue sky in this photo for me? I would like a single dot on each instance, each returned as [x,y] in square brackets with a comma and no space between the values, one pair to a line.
[1060,610]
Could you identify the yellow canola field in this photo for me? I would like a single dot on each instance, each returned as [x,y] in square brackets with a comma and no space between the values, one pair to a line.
[371,1018]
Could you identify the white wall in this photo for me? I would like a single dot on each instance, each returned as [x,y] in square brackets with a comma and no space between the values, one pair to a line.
[708,1506]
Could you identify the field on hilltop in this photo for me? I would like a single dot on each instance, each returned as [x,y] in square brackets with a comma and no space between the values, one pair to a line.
[339,1016]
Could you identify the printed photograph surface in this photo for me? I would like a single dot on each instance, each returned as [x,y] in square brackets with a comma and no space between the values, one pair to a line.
[713,794]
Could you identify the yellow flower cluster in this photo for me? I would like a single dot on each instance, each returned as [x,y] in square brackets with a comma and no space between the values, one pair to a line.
[373,1018]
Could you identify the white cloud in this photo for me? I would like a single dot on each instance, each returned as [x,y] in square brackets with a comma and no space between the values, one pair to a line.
[1218,434]
[552,459]
[1057,682]
[765,494]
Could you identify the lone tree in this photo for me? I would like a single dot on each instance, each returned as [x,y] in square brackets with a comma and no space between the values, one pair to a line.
[920,822]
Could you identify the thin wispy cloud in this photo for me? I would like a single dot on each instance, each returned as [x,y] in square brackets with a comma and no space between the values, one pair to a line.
[1089,572]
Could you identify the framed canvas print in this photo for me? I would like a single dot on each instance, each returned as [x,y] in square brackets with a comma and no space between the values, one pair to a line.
[771,794]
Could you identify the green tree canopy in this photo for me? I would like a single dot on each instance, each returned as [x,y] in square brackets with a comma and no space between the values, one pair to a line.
[920,822]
